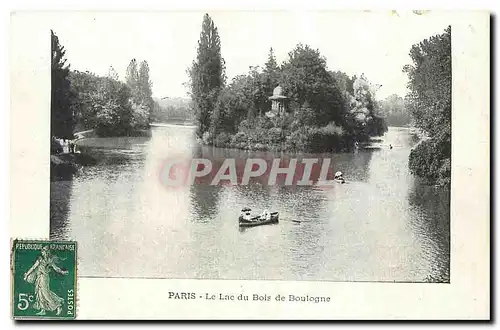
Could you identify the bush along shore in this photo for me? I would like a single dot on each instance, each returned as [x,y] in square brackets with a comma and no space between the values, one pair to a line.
[263,134]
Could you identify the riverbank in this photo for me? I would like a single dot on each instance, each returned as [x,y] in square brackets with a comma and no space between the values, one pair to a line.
[90,140]
[312,141]
[64,165]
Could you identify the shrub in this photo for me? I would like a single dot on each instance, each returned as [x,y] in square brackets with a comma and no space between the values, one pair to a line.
[325,139]
[263,122]
[238,139]
[332,129]
[245,126]
[207,138]
[140,116]
[298,139]
[304,116]
[259,146]
[430,160]
[275,135]
[222,139]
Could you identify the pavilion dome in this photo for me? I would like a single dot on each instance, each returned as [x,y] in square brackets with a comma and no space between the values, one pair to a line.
[278,91]
[278,94]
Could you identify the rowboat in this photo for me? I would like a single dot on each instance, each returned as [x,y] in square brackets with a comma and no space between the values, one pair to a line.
[259,220]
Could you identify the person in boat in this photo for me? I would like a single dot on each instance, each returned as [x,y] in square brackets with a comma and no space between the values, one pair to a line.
[339,176]
[390,146]
[266,215]
[245,214]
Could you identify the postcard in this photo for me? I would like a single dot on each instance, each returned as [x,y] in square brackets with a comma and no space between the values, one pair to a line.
[184,165]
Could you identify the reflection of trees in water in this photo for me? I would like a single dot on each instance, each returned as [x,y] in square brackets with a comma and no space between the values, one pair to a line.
[301,212]
[434,225]
[355,166]
[205,197]
[301,201]
[204,200]
[361,163]
[60,197]
[257,197]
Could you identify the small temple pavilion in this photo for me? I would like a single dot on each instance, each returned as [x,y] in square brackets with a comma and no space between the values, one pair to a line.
[278,102]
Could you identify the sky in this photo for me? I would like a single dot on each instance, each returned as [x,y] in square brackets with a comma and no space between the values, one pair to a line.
[374,43]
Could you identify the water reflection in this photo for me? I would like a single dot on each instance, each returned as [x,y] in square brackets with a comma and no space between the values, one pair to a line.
[431,226]
[204,202]
[60,197]
[380,226]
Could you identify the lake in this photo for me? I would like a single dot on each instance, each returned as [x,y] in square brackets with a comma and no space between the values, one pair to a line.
[383,225]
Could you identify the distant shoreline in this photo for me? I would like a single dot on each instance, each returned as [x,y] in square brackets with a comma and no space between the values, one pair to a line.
[173,124]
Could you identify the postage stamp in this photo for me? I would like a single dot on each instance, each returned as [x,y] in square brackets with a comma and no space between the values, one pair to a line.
[43,279]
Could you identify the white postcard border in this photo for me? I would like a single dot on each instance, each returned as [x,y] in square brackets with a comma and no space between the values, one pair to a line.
[466,297]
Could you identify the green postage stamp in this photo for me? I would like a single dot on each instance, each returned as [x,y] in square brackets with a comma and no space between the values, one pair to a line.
[43,279]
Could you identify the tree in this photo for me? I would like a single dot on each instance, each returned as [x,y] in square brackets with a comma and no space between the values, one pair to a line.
[144,85]
[101,103]
[271,72]
[429,102]
[113,108]
[363,120]
[429,99]
[236,102]
[112,74]
[343,82]
[132,79]
[61,107]
[207,75]
[271,65]
[82,85]
[304,77]
[145,94]
[393,108]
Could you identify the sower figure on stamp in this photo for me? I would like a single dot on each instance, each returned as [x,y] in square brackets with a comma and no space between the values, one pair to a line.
[39,273]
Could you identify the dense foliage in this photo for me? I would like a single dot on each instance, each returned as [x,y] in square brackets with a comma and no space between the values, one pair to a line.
[164,112]
[394,110]
[326,111]
[429,102]
[109,106]
[62,121]
[83,100]
[207,75]
[101,103]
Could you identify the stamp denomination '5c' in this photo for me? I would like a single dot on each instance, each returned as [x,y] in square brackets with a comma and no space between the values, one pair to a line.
[43,279]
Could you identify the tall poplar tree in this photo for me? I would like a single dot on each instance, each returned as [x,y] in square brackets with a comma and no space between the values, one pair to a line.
[207,75]
[132,79]
[62,119]
[144,85]
[271,71]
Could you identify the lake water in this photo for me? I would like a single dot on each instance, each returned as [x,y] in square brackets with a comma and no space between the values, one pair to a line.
[383,225]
